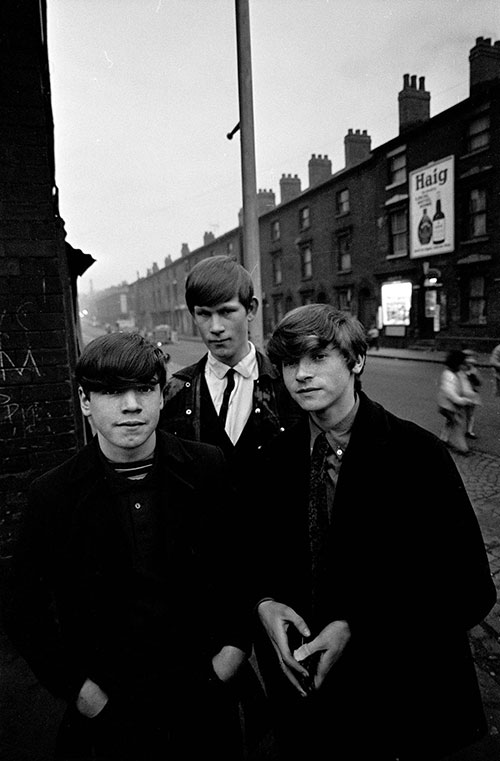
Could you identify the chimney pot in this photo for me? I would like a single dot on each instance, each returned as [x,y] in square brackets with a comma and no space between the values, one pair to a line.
[357,147]
[289,187]
[265,201]
[414,105]
[320,169]
[484,62]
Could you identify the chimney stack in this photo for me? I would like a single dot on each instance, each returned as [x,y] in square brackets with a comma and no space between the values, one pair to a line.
[484,62]
[414,105]
[289,187]
[184,249]
[357,147]
[208,238]
[265,201]
[320,169]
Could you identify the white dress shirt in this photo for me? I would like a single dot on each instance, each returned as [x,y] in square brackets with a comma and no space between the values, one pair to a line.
[240,402]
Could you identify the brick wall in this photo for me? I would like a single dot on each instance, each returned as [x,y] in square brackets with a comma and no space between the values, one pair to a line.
[39,422]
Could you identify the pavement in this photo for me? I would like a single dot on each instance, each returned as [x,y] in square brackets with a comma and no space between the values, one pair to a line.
[29,716]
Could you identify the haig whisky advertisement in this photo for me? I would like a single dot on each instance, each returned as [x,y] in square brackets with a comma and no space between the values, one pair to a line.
[432,204]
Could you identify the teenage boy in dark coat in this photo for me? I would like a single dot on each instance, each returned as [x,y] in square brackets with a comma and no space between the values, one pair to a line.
[127,582]
[238,415]
[372,566]
[198,403]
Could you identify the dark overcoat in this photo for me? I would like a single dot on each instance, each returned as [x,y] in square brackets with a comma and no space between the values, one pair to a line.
[407,568]
[79,607]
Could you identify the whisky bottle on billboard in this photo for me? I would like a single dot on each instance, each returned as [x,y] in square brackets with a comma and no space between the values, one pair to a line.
[438,224]
[425,228]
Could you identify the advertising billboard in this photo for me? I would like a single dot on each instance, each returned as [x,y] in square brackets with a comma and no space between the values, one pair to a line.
[432,208]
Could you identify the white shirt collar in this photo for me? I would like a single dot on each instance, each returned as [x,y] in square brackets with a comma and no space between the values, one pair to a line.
[246,367]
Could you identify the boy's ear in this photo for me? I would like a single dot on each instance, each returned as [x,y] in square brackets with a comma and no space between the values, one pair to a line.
[254,306]
[84,402]
[358,367]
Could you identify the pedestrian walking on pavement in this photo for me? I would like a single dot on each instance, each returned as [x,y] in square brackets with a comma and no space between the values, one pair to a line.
[128,595]
[454,395]
[472,383]
[495,363]
[372,567]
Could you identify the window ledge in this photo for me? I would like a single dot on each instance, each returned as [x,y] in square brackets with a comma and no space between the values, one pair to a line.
[483,149]
[473,241]
[396,184]
[475,171]
[398,198]
[474,258]
[345,272]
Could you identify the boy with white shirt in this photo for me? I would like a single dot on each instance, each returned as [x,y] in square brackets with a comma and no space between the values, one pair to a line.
[203,404]
[220,297]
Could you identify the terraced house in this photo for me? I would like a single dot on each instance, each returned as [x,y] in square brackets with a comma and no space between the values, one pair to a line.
[406,234]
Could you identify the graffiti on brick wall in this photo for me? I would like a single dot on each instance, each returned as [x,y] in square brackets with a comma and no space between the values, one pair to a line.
[27,418]
[6,363]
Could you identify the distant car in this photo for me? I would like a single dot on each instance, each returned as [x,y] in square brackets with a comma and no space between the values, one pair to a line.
[162,334]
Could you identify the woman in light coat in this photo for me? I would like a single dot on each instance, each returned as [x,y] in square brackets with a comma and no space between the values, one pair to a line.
[453,399]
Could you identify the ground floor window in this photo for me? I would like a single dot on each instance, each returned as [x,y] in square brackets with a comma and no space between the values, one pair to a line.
[344,299]
[474,300]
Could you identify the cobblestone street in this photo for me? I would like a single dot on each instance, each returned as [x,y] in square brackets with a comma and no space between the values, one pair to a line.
[481,474]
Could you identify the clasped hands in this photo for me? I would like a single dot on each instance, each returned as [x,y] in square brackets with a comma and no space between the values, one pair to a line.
[328,645]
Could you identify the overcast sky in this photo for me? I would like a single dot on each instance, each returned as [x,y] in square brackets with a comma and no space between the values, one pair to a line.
[145,91]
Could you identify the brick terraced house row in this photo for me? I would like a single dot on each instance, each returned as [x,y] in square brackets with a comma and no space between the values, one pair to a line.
[406,234]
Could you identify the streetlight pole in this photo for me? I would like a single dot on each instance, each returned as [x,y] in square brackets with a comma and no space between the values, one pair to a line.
[251,252]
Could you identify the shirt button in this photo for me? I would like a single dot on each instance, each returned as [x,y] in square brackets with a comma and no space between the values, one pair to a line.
[137,505]
[188,412]
[188,385]
[257,409]
[339,453]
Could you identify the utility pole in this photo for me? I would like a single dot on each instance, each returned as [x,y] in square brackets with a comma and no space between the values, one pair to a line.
[251,252]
